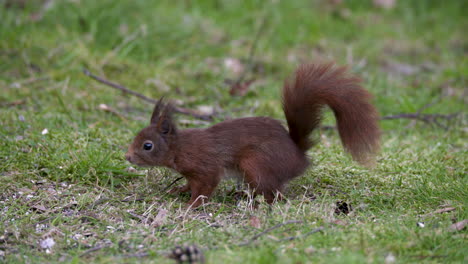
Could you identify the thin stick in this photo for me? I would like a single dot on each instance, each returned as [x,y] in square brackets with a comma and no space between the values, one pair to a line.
[426,106]
[180,110]
[91,250]
[252,51]
[426,118]
[318,229]
[29,81]
[268,230]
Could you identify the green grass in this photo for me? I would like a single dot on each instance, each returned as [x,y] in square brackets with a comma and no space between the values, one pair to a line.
[72,184]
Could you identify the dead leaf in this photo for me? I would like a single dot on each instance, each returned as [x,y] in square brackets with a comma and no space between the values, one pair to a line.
[235,66]
[401,68]
[123,29]
[109,109]
[390,258]
[160,218]
[240,88]
[39,207]
[340,222]
[47,243]
[24,191]
[385,4]
[14,103]
[255,222]
[335,2]
[137,216]
[36,16]
[310,250]
[458,226]
[131,170]
[205,109]
[51,191]
[444,210]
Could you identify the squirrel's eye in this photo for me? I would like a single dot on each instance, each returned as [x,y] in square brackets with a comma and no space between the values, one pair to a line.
[147,146]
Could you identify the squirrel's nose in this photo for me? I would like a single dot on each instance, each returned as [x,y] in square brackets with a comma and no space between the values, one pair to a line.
[128,157]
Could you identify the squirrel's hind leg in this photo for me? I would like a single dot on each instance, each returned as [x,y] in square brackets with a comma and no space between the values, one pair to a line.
[259,176]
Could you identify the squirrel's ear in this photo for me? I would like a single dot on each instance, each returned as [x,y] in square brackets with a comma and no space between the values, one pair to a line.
[165,123]
[167,127]
[157,111]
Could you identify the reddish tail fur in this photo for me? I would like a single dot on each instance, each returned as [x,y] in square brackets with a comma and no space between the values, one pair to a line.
[314,87]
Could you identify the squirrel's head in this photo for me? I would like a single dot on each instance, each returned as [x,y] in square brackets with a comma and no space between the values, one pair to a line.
[152,144]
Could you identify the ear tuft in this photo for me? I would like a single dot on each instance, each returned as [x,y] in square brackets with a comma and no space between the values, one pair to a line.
[158,108]
[162,117]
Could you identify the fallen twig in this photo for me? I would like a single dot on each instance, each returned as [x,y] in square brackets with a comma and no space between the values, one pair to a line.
[91,250]
[439,211]
[267,231]
[418,116]
[239,87]
[137,216]
[98,202]
[318,229]
[20,83]
[48,219]
[177,109]
[106,108]
[426,118]
[252,51]
[14,103]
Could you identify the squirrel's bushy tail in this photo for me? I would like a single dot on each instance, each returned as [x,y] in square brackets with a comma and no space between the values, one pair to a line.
[315,86]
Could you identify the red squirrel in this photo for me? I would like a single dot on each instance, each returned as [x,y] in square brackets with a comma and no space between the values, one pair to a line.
[261,149]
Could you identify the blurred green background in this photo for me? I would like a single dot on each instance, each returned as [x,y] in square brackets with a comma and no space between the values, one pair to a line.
[60,126]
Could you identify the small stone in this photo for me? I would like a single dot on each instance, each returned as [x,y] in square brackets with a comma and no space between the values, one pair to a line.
[390,258]
[47,243]
[206,109]
[310,250]
[77,236]
[131,170]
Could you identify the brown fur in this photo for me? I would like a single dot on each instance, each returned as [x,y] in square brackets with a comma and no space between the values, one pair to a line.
[260,148]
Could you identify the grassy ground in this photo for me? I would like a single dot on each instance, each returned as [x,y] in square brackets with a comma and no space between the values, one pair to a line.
[71,185]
